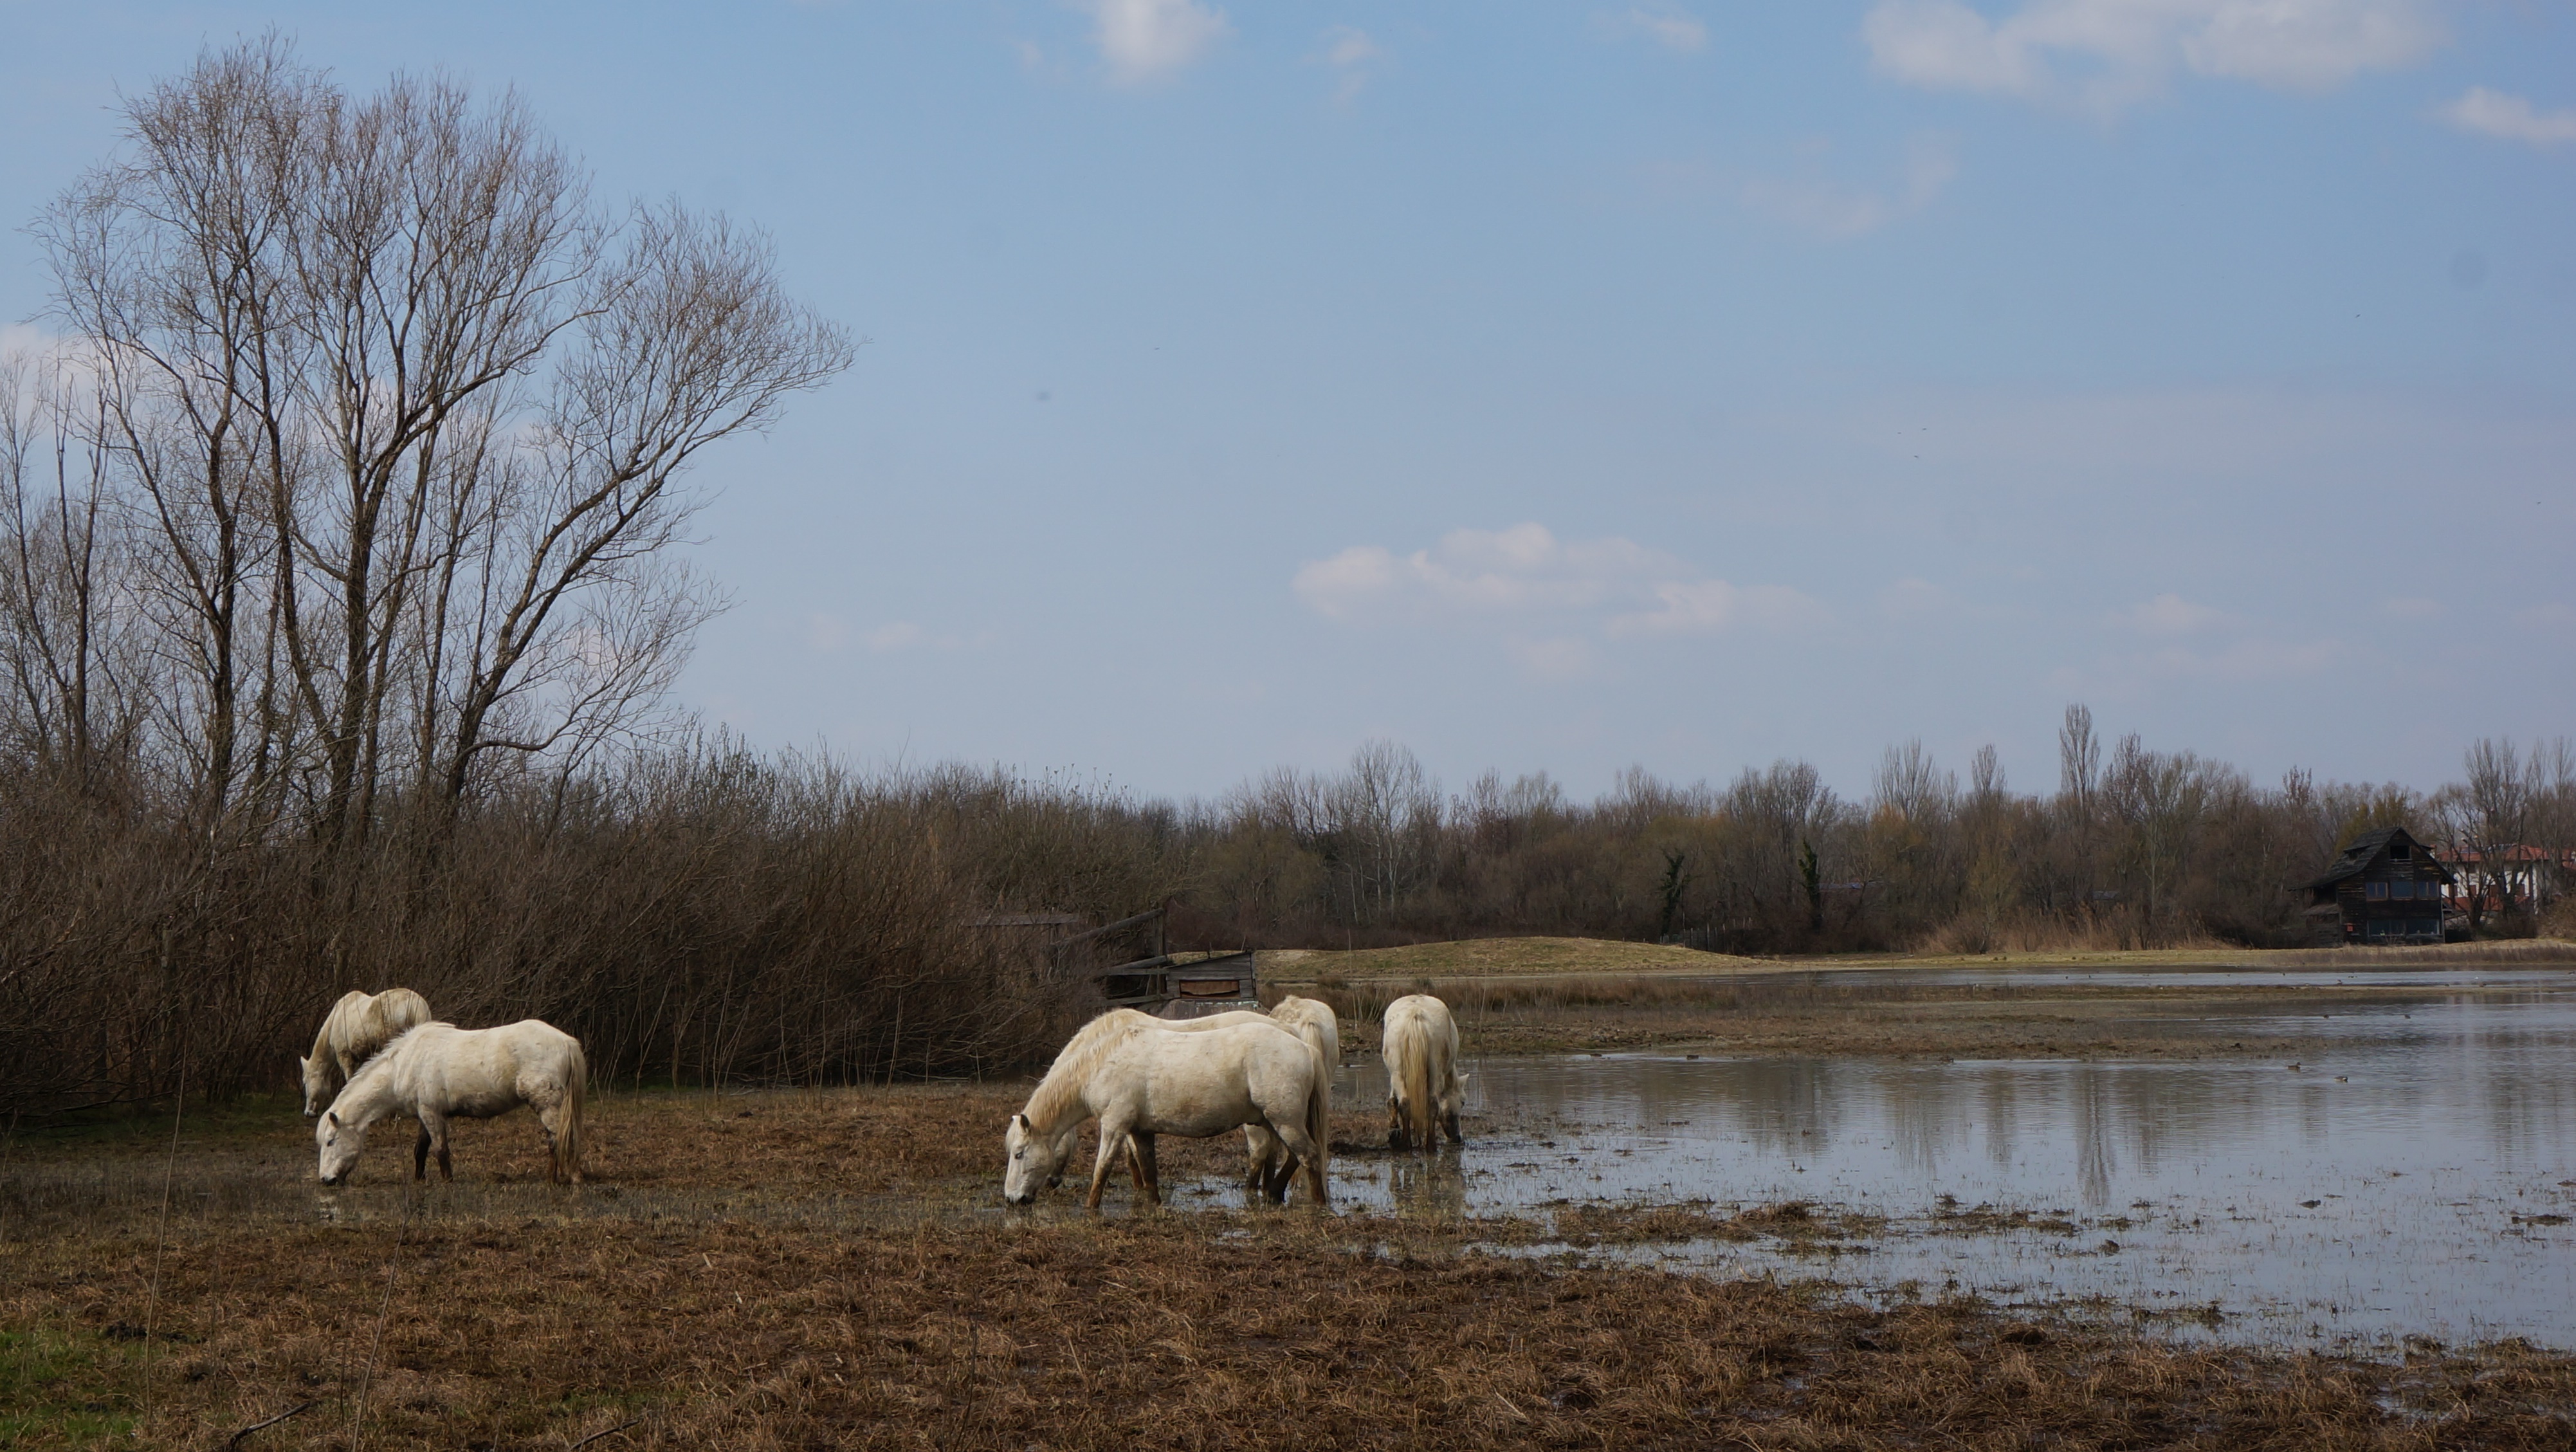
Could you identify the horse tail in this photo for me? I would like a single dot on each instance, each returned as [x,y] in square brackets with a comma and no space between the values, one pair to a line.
[568,1136]
[1420,1118]
[1319,1106]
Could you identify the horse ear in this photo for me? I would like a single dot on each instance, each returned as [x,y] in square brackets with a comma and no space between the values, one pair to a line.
[1021,1120]
[333,1117]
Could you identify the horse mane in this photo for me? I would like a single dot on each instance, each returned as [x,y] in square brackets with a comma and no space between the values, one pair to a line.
[1073,1064]
[322,1035]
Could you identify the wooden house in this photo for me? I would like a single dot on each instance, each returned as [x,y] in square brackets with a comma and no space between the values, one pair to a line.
[2384,888]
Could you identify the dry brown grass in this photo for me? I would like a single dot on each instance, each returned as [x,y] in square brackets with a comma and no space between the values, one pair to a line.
[824,1269]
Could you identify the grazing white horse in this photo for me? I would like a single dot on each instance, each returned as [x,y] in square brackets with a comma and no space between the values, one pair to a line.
[438,1071]
[357,1026]
[1421,1049]
[1142,1082]
[1270,1166]
[1313,1020]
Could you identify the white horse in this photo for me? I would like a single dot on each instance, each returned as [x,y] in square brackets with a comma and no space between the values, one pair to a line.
[1270,1166]
[358,1025]
[1420,1043]
[439,1071]
[1144,1082]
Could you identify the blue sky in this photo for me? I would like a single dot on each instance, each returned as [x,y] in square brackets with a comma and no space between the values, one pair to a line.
[1565,386]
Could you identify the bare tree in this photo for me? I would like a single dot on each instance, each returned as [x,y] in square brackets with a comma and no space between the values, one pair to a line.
[406,420]
[66,629]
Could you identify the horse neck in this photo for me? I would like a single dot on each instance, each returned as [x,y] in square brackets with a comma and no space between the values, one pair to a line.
[1059,1099]
[370,1096]
[322,1035]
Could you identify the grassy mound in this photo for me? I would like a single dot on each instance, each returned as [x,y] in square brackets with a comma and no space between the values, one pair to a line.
[1496,958]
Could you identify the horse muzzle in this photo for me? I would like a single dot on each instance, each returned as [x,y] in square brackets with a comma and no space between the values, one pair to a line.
[1023,1198]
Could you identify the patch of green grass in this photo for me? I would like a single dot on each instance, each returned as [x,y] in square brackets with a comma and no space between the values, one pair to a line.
[55,1388]
[243,1116]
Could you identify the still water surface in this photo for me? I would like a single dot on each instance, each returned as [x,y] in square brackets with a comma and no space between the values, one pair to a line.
[2400,1182]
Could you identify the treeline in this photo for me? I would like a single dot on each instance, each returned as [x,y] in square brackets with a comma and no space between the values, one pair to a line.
[704,914]
[2133,848]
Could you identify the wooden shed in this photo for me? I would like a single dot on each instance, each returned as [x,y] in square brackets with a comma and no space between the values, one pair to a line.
[2384,888]
[1132,963]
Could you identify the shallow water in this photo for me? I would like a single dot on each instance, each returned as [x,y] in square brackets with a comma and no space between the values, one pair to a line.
[2386,1187]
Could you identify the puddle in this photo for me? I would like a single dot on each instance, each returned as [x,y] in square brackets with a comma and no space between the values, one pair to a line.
[2401,1181]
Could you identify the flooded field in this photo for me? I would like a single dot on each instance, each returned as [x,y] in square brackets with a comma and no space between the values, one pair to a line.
[1652,1249]
[2415,1178]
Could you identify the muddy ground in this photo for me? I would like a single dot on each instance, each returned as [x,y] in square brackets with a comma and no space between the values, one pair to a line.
[829,1268]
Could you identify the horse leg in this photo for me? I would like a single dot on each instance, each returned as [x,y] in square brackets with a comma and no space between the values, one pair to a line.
[1308,1155]
[438,1133]
[1141,1149]
[549,1117]
[420,1153]
[1112,1138]
[1398,1135]
[1276,1177]
[1259,1148]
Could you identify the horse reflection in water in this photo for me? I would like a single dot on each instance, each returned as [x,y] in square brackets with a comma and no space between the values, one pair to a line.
[1433,1187]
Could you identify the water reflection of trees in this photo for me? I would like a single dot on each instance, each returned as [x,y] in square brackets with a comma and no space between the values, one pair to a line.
[2478,1072]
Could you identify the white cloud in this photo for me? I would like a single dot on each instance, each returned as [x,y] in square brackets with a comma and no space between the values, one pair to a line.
[1143,39]
[24,339]
[2107,54]
[1839,212]
[2170,615]
[1667,25]
[901,635]
[1912,596]
[1525,574]
[1349,47]
[1350,52]
[2509,118]
[1553,658]
[1705,607]
[826,632]
[2246,660]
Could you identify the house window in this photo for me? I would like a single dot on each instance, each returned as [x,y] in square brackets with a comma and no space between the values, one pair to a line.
[2400,852]
[2401,890]
[2378,892]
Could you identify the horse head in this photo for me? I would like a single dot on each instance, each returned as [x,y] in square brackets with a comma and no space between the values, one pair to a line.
[340,1145]
[1031,1161]
[317,1091]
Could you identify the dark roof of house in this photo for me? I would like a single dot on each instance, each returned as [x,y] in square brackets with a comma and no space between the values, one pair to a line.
[2367,849]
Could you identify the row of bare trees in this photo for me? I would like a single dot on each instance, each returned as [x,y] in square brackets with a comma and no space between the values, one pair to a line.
[2134,847]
